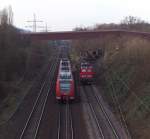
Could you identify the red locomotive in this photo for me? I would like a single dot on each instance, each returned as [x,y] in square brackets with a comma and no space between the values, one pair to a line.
[65,82]
[86,73]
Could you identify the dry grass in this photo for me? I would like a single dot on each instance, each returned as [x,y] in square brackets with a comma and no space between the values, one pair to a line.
[20,60]
[127,58]
[15,96]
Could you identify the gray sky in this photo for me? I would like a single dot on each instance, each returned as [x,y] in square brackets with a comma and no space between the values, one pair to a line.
[67,14]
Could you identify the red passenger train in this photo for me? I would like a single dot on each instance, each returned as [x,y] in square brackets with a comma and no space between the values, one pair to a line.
[86,73]
[65,82]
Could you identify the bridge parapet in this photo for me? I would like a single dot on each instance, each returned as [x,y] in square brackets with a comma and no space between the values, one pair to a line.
[69,35]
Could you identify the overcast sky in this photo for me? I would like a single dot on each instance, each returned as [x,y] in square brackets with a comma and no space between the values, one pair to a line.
[67,14]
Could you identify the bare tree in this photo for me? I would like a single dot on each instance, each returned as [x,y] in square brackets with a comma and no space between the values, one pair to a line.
[10,16]
[6,16]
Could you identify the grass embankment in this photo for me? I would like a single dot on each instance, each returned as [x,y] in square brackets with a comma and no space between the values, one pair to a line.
[21,62]
[127,79]
[124,73]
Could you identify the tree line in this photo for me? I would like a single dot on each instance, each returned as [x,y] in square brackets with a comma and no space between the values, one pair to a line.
[18,55]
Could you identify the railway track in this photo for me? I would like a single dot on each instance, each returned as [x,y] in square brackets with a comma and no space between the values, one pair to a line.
[93,113]
[31,127]
[119,109]
[116,135]
[65,125]
[104,124]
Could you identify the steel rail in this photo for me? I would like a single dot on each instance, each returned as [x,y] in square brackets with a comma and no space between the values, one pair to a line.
[37,99]
[95,117]
[59,125]
[67,120]
[68,123]
[71,124]
[34,107]
[116,102]
[50,89]
[106,115]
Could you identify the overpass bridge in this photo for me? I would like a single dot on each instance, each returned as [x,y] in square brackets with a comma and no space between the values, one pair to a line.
[69,35]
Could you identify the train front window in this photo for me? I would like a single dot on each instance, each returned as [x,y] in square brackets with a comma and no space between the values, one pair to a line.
[66,69]
[84,65]
[65,77]
[65,86]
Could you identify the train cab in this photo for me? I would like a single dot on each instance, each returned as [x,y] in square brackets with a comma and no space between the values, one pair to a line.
[65,83]
[86,72]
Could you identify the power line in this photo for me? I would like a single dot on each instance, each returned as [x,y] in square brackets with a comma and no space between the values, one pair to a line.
[45,28]
[34,21]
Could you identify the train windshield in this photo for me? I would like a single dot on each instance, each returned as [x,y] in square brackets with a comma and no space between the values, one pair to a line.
[65,69]
[65,63]
[65,76]
[65,86]
[84,65]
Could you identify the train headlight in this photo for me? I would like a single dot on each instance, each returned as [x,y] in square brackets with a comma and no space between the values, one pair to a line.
[89,70]
[83,76]
[83,70]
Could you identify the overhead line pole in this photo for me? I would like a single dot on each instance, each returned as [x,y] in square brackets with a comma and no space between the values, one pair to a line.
[34,26]
[45,28]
